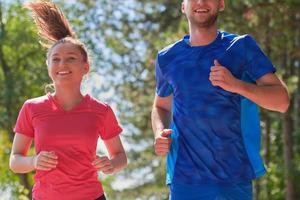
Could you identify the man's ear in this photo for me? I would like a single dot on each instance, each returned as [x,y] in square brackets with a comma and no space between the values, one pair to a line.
[222,5]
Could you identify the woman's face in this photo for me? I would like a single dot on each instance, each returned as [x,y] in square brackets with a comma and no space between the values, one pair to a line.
[66,65]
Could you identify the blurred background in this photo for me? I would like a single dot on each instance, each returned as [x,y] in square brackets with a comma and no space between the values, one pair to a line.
[123,37]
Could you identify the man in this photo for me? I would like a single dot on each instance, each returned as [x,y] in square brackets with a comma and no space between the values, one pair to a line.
[204,115]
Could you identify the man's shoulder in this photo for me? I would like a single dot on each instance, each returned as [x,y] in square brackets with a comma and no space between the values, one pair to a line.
[171,48]
[232,37]
[170,52]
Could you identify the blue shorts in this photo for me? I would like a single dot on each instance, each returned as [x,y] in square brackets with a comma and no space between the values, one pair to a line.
[232,191]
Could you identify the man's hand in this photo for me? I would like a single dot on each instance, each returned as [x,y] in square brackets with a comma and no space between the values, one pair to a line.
[222,77]
[162,142]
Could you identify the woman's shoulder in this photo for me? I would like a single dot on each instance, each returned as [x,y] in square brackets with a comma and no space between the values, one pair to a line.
[96,103]
[37,100]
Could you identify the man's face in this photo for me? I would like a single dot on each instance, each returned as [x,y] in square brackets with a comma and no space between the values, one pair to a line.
[202,13]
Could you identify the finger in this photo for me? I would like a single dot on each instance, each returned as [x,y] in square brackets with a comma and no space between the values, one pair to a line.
[161,153]
[215,68]
[48,160]
[216,63]
[49,155]
[106,168]
[100,163]
[162,140]
[96,161]
[45,164]
[216,83]
[163,149]
[166,132]
[167,145]
[102,168]
[217,73]
[42,168]
[103,163]
[108,172]
[216,78]
[102,158]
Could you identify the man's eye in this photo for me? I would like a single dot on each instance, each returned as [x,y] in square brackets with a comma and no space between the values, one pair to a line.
[72,58]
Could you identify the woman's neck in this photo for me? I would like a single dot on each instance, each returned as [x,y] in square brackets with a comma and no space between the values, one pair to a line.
[68,98]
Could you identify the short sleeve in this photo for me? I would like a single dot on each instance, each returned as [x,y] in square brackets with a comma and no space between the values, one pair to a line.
[24,121]
[257,63]
[111,127]
[163,88]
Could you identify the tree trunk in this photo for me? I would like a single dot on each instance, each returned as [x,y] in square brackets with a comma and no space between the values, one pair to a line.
[267,143]
[26,184]
[288,155]
[257,189]
[9,91]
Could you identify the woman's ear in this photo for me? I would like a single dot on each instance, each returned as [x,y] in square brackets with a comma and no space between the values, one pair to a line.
[86,67]
[183,7]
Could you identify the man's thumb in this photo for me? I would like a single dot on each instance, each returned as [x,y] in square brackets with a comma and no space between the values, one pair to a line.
[166,132]
[216,63]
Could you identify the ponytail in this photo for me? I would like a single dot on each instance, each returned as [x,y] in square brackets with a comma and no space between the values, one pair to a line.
[51,22]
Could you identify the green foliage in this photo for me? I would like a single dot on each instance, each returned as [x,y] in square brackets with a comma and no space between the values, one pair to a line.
[124,39]
[163,24]
[22,75]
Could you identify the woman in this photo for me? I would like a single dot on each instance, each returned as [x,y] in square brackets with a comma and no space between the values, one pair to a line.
[65,125]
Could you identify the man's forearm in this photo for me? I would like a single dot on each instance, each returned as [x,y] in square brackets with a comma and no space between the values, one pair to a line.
[160,119]
[272,97]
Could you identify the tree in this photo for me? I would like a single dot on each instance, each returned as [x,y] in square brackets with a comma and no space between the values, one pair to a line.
[159,23]
[22,75]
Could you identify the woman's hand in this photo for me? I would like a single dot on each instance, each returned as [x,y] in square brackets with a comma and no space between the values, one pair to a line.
[104,164]
[45,161]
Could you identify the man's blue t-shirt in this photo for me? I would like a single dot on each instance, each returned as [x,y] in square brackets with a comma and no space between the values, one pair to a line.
[216,133]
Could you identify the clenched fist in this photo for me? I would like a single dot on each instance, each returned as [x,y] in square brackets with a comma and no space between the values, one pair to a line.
[104,164]
[45,160]
[162,142]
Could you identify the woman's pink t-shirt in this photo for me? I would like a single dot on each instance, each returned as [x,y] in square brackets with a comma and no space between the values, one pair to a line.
[73,136]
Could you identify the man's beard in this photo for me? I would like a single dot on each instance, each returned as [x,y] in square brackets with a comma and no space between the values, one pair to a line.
[209,22]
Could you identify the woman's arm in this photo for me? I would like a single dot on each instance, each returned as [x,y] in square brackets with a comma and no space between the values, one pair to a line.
[117,157]
[21,163]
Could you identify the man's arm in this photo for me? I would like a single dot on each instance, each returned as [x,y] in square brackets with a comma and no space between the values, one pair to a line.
[269,91]
[161,118]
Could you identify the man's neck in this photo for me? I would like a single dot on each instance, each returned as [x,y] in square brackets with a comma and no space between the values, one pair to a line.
[202,36]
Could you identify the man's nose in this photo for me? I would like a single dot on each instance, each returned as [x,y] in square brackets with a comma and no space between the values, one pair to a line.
[200,1]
